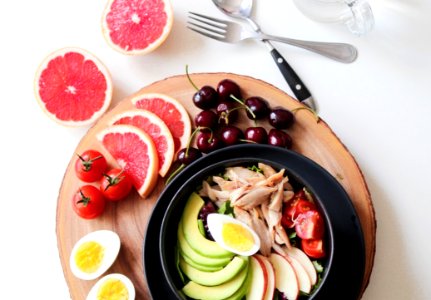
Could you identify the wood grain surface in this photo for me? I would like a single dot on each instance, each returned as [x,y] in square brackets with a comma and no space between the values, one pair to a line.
[129,218]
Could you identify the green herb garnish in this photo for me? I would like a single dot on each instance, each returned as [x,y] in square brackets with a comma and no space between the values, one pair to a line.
[225,209]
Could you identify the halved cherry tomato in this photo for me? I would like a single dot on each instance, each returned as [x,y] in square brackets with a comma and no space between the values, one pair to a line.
[288,213]
[302,206]
[88,202]
[309,225]
[313,248]
[90,165]
[293,209]
[115,185]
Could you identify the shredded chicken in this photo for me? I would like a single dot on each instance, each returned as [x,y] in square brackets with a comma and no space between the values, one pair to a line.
[257,199]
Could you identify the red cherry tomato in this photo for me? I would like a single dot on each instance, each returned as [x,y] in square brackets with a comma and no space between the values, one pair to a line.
[293,209]
[90,165]
[309,225]
[288,213]
[313,248]
[115,185]
[88,202]
[302,206]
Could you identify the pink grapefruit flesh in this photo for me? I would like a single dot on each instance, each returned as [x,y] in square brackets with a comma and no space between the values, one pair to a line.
[137,26]
[73,87]
[135,152]
[171,112]
[156,129]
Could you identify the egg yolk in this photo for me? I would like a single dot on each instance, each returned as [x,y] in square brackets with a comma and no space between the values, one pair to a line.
[237,237]
[89,256]
[113,289]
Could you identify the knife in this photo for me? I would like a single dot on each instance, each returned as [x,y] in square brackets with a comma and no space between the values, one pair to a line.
[295,83]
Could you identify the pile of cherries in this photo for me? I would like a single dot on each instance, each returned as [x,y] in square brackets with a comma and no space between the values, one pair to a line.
[215,124]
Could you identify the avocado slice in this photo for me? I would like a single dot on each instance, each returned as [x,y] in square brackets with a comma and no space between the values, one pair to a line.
[198,259]
[222,291]
[214,278]
[198,266]
[239,294]
[192,234]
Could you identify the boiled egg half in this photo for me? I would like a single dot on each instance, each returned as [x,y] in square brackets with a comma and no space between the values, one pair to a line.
[94,254]
[112,287]
[233,235]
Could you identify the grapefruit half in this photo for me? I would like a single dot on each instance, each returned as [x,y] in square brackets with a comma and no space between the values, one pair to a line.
[73,87]
[156,129]
[135,152]
[171,112]
[137,26]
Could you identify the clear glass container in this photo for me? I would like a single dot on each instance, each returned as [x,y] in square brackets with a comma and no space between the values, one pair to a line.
[355,14]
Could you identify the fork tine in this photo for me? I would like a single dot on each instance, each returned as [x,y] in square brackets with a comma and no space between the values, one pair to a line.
[212,36]
[206,28]
[209,18]
[212,24]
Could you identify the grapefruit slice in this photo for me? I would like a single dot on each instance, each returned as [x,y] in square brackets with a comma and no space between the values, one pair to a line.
[156,129]
[136,26]
[171,112]
[135,152]
[73,87]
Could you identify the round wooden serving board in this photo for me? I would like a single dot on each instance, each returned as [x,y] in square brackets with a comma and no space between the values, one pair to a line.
[129,217]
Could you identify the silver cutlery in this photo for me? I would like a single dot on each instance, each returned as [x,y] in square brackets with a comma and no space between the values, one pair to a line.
[231,32]
[242,9]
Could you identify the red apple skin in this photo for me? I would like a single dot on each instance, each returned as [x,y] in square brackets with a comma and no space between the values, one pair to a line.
[270,289]
[259,282]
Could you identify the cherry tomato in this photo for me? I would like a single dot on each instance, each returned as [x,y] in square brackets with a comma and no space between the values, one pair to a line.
[115,185]
[302,206]
[288,213]
[88,202]
[90,165]
[313,248]
[309,225]
[293,208]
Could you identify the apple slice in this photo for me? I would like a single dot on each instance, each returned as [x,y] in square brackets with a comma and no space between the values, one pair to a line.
[270,289]
[285,277]
[304,260]
[304,282]
[302,276]
[259,281]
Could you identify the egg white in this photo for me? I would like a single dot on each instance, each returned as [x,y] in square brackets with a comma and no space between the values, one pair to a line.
[92,295]
[109,240]
[215,224]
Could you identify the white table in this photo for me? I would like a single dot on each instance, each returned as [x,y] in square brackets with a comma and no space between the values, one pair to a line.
[379,107]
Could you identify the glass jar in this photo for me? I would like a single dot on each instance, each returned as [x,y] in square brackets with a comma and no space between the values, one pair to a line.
[355,14]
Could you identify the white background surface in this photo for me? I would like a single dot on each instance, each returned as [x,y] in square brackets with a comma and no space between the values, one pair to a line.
[379,107]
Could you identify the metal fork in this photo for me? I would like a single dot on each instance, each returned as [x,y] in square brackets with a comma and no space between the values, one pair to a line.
[231,32]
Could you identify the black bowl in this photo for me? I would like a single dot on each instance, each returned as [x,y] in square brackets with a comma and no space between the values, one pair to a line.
[344,265]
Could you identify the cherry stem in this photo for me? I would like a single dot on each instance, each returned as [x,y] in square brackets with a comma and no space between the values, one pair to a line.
[316,116]
[243,104]
[175,173]
[190,140]
[190,80]
[247,141]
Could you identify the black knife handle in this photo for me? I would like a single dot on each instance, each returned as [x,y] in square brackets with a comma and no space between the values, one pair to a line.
[295,83]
